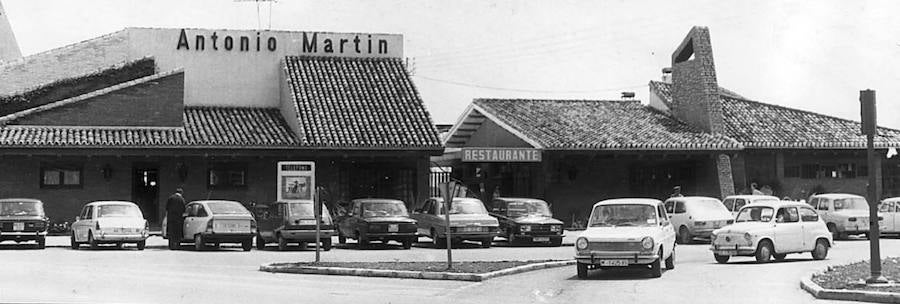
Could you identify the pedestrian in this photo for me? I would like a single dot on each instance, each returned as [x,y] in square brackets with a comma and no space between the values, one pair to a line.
[755,189]
[676,192]
[175,218]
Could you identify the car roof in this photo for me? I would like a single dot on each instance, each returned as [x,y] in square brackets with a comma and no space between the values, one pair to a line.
[28,200]
[691,198]
[751,196]
[836,195]
[518,199]
[456,199]
[94,203]
[640,201]
[214,201]
[377,200]
[892,199]
[778,204]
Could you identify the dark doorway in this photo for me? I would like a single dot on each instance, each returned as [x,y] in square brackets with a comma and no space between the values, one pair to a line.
[145,190]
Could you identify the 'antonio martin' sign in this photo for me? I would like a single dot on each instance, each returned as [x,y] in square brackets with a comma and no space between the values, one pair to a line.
[291,43]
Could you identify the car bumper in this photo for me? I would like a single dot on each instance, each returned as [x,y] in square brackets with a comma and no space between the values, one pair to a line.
[539,238]
[730,250]
[702,232]
[21,235]
[108,237]
[305,235]
[227,237]
[855,228]
[391,236]
[471,235]
[616,258]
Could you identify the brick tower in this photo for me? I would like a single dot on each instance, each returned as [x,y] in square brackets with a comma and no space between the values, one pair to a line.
[9,49]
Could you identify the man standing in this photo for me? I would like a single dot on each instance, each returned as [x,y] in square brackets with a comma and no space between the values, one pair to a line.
[175,219]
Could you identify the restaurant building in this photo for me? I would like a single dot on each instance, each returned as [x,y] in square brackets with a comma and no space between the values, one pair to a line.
[135,114]
[693,134]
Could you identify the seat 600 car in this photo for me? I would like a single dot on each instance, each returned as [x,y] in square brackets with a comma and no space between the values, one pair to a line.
[215,222]
[626,232]
[23,220]
[772,229]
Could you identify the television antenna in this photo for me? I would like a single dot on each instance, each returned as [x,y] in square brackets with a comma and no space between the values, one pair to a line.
[258,17]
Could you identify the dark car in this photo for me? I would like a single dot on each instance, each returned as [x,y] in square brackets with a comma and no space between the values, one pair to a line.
[23,220]
[375,219]
[291,222]
[527,220]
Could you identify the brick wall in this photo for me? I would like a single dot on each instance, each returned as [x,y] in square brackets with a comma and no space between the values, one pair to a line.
[695,89]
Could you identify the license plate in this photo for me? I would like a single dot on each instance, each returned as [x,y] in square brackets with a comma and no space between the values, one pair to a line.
[307,222]
[726,252]
[18,226]
[393,228]
[613,262]
[542,239]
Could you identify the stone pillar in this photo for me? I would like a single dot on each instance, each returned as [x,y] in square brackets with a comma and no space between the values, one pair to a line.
[723,168]
[695,90]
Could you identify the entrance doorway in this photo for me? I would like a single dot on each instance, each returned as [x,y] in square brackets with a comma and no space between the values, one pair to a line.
[145,190]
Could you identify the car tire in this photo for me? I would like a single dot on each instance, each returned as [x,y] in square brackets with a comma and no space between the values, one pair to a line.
[120,245]
[260,242]
[41,242]
[779,256]
[93,243]
[670,261]
[247,244]
[198,243]
[407,244]
[362,240]
[174,244]
[282,243]
[326,244]
[656,266]
[684,235]
[821,250]
[721,259]
[763,252]
[557,242]
[834,232]
[486,243]
[438,242]
[582,270]
[72,241]
[142,244]
[341,239]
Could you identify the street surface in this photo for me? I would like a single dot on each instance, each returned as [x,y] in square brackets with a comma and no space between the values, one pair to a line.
[229,275]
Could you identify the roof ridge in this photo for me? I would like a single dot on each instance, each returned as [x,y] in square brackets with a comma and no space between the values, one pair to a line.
[227,107]
[118,65]
[59,49]
[341,58]
[557,100]
[86,96]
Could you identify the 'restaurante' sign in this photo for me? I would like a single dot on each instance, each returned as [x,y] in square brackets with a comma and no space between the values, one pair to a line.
[500,155]
[296,43]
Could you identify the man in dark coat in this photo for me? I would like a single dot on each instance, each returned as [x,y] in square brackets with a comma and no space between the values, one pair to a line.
[175,218]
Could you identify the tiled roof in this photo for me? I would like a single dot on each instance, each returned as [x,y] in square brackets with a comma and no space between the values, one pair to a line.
[358,103]
[204,127]
[764,126]
[600,125]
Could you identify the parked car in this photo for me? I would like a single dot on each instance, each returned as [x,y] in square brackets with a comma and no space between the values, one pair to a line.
[696,216]
[772,229]
[215,222]
[625,232]
[23,220]
[469,221]
[734,202]
[527,219]
[889,209]
[844,214]
[110,222]
[291,222]
[377,219]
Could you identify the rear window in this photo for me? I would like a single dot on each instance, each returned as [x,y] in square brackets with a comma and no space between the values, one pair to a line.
[21,208]
[306,210]
[118,211]
[227,208]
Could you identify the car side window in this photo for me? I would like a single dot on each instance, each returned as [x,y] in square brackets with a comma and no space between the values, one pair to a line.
[201,212]
[279,210]
[670,207]
[823,204]
[808,215]
[662,214]
[738,203]
[88,212]
[679,207]
[729,204]
[787,215]
[192,210]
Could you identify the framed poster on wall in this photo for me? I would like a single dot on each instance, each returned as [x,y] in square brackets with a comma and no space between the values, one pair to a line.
[296,180]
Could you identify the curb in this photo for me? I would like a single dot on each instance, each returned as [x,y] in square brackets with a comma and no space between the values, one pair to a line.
[806,283]
[407,274]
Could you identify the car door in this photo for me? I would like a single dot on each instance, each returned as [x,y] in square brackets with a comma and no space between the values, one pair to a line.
[191,226]
[788,230]
[811,226]
[79,227]
[677,214]
[888,223]
[668,232]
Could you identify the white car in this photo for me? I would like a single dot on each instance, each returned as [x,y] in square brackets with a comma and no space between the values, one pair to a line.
[216,222]
[696,216]
[734,202]
[890,215]
[110,222]
[772,229]
[844,214]
[624,232]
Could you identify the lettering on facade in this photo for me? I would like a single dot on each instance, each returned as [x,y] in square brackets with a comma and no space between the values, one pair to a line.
[335,45]
[245,43]
[307,43]
[500,155]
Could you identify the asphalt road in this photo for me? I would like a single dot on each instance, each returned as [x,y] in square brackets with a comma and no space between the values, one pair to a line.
[229,275]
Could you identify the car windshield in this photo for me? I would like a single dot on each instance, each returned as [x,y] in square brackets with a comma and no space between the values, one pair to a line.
[854,203]
[706,208]
[384,209]
[306,210]
[755,214]
[467,207]
[118,211]
[227,208]
[524,208]
[623,215]
[21,208]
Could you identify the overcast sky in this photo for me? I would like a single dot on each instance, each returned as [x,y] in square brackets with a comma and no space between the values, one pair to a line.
[813,55]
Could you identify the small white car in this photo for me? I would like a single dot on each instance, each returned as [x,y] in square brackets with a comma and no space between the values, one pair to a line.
[625,232]
[734,202]
[890,215]
[696,216]
[772,229]
[216,222]
[110,222]
[844,214]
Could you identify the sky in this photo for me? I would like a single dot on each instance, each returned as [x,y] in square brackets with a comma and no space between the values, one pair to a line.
[809,55]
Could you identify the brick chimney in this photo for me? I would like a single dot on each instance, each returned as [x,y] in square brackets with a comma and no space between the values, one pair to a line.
[695,92]
[9,49]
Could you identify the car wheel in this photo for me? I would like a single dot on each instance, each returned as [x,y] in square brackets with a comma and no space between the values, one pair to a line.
[656,266]
[407,244]
[721,259]
[341,238]
[779,256]
[557,242]
[684,235]
[198,243]
[764,251]
[438,242]
[486,243]
[91,240]
[582,270]
[821,250]
[120,245]
[41,242]
[282,243]
[326,244]
[670,261]
[247,244]
[142,244]
[260,242]
[173,244]
[72,241]
[362,240]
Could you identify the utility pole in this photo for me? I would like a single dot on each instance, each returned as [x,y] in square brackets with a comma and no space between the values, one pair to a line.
[870,129]
[449,189]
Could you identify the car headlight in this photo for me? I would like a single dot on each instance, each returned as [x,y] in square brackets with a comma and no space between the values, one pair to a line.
[525,228]
[555,228]
[647,243]
[581,243]
[712,237]
[852,219]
